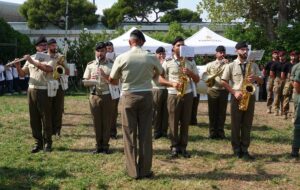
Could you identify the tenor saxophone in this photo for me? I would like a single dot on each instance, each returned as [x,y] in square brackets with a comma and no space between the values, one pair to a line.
[183,79]
[247,89]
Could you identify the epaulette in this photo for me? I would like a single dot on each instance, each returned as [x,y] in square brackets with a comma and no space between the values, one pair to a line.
[90,62]
[169,59]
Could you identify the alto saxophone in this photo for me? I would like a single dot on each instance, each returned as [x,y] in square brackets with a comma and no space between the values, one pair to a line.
[59,69]
[247,89]
[183,79]
[211,80]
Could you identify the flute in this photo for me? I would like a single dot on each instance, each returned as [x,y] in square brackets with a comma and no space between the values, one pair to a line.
[10,64]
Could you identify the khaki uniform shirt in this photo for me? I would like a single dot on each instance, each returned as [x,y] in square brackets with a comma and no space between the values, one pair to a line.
[214,67]
[37,78]
[171,67]
[136,68]
[233,72]
[92,69]
[294,69]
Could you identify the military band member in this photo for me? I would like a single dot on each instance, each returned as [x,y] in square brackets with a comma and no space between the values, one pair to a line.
[110,54]
[58,100]
[196,99]
[288,86]
[179,107]
[136,68]
[101,103]
[217,95]
[160,95]
[39,103]
[279,80]
[270,80]
[241,121]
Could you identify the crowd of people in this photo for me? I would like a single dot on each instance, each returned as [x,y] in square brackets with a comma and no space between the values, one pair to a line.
[10,82]
[160,93]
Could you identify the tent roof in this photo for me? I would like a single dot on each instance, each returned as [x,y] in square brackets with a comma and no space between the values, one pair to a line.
[121,43]
[205,41]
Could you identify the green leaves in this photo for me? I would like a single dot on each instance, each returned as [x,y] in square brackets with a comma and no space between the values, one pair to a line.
[39,13]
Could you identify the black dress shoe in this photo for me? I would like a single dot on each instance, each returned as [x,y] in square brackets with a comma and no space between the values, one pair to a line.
[157,136]
[174,154]
[150,175]
[238,154]
[185,154]
[48,148]
[36,149]
[247,156]
[295,152]
[106,151]
[97,151]
[113,136]
[214,136]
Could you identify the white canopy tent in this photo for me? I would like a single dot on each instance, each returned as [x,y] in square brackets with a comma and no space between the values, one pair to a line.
[121,44]
[205,41]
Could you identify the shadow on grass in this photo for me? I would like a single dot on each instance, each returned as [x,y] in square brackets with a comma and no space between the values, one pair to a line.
[76,124]
[261,128]
[86,150]
[27,178]
[219,175]
[1,125]
[218,156]
[72,113]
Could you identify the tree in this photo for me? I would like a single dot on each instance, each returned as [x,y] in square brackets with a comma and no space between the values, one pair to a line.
[9,36]
[265,13]
[40,13]
[181,15]
[136,10]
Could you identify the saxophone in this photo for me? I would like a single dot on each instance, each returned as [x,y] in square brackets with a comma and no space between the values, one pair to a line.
[211,80]
[59,69]
[247,89]
[183,79]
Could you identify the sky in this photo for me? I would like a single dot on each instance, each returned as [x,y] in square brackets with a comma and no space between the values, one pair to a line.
[103,4]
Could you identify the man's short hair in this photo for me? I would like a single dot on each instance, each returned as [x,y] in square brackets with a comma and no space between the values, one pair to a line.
[221,49]
[109,44]
[160,50]
[240,45]
[100,45]
[177,39]
[137,34]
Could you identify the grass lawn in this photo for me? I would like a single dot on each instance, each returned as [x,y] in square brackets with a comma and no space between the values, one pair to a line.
[72,166]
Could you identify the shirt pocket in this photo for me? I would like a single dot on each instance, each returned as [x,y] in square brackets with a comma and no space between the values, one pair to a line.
[237,77]
[173,70]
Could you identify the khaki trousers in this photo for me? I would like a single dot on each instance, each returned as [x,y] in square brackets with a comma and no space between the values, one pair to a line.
[270,94]
[296,132]
[241,124]
[57,111]
[278,98]
[101,108]
[137,132]
[217,105]
[113,130]
[287,95]
[195,110]
[180,110]
[40,116]
[160,115]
